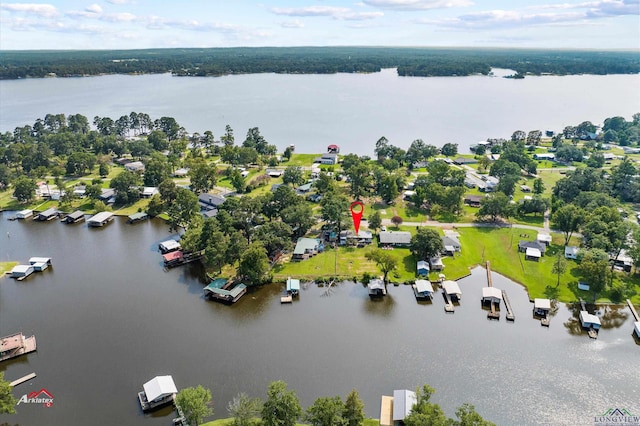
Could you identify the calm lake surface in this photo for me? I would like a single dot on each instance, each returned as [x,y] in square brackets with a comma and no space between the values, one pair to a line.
[352,110]
[108,318]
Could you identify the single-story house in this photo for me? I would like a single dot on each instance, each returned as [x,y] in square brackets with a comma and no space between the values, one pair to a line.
[423,289]
[541,307]
[465,160]
[422,267]
[80,191]
[525,188]
[436,263]
[544,156]
[589,320]
[523,245]
[108,196]
[149,191]
[544,238]
[363,237]
[210,201]
[623,261]
[395,238]
[303,189]
[315,198]
[608,156]
[307,247]
[135,166]
[452,289]
[491,295]
[571,252]
[532,254]
[408,195]
[451,244]
[274,173]
[473,200]
[329,158]
[376,288]
[181,172]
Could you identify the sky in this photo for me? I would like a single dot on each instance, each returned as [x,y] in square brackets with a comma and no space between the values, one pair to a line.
[134,24]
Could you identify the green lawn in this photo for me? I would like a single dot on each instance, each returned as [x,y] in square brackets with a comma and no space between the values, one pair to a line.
[301,160]
[6,267]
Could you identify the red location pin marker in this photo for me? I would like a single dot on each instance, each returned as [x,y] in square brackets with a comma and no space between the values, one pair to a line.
[356,214]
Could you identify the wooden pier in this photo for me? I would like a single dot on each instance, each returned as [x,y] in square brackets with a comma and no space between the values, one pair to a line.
[448,307]
[286,299]
[510,315]
[592,331]
[21,380]
[633,310]
[15,345]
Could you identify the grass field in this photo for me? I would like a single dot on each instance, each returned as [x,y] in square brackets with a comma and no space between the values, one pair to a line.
[6,267]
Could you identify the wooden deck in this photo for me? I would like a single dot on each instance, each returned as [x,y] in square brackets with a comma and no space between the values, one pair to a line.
[493,313]
[448,306]
[633,310]
[286,299]
[15,345]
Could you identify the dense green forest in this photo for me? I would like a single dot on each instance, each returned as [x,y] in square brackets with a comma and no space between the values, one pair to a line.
[314,60]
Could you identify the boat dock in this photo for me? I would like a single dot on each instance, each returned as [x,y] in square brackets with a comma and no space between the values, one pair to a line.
[178,258]
[493,313]
[510,315]
[15,345]
[636,324]
[286,299]
[21,380]
[589,321]
[448,307]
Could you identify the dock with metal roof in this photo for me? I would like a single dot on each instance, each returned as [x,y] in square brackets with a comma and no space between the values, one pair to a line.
[223,291]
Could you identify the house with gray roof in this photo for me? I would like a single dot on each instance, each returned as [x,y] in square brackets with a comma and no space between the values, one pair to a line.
[395,238]
[307,247]
[523,245]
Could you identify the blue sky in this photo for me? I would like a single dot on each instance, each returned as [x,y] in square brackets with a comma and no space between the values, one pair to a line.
[129,24]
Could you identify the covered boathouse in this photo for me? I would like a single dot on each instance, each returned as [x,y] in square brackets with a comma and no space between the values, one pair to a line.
[423,290]
[74,217]
[47,215]
[100,219]
[223,291]
[159,391]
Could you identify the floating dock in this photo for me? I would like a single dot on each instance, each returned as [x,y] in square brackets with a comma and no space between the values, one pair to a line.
[137,217]
[491,296]
[74,217]
[286,299]
[589,321]
[178,258]
[100,219]
[21,380]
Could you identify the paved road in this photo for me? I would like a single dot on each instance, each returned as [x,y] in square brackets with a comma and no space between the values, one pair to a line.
[435,223]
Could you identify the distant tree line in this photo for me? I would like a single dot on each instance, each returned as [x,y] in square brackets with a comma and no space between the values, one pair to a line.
[313,60]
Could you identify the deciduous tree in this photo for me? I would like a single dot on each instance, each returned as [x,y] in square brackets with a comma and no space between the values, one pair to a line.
[282,407]
[426,243]
[353,409]
[326,411]
[195,403]
[254,264]
[7,400]
[384,260]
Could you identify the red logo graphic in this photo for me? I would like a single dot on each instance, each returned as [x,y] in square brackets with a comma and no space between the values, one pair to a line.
[42,396]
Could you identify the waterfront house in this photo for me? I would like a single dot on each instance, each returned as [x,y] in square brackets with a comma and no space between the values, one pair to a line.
[21,272]
[293,286]
[47,215]
[274,173]
[376,288]
[464,160]
[80,191]
[24,214]
[100,219]
[544,156]
[169,246]
[329,158]
[159,391]
[423,289]
[108,196]
[589,320]
[452,289]
[451,244]
[422,268]
[393,410]
[149,191]
[307,247]
[541,307]
[623,261]
[571,252]
[491,295]
[303,189]
[544,238]
[395,238]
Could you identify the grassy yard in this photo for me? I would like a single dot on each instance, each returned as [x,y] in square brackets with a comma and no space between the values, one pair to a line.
[6,267]
[301,160]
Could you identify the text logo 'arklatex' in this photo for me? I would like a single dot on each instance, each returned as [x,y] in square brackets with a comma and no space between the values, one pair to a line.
[40,397]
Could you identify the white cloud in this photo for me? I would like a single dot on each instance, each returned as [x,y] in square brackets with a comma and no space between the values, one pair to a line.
[118,17]
[417,4]
[341,13]
[38,9]
[94,8]
[117,1]
[296,23]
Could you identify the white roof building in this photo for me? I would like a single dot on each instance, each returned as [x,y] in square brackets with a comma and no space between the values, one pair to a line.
[542,304]
[403,401]
[424,286]
[533,252]
[544,238]
[169,245]
[491,294]
[159,387]
[452,287]
[589,320]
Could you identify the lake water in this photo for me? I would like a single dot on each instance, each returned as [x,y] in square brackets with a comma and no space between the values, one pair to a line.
[108,318]
[351,110]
